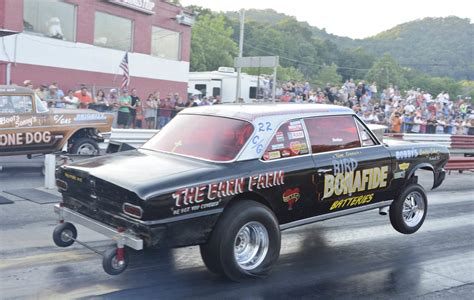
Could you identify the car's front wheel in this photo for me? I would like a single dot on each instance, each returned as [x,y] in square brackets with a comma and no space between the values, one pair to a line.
[245,242]
[408,211]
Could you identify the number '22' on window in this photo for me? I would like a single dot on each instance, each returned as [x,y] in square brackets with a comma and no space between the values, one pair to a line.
[267,126]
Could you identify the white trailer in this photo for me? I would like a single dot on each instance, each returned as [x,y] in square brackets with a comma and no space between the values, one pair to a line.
[223,82]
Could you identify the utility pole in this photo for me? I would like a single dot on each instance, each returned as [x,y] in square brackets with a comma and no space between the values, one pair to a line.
[241,50]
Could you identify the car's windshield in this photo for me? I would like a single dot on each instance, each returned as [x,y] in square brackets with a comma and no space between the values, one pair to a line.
[205,137]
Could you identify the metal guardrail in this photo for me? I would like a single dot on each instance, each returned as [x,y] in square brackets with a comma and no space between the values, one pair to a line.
[460,164]
[133,137]
[457,144]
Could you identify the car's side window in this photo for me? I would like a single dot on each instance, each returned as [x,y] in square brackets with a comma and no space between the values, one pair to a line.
[16,104]
[289,140]
[365,137]
[331,133]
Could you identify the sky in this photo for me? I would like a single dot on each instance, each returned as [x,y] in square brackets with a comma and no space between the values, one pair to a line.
[355,19]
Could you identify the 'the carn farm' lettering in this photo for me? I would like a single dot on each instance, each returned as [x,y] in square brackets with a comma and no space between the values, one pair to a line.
[195,195]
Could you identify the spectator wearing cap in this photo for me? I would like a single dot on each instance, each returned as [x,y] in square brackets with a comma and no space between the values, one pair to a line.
[84,97]
[125,103]
[52,97]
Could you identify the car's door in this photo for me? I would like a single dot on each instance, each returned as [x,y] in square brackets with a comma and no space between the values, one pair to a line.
[352,169]
[288,151]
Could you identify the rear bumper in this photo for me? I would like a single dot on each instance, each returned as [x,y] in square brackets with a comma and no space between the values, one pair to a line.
[131,240]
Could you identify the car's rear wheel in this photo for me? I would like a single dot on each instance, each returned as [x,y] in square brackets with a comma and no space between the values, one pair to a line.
[245,242]
[85,146]
[408,211]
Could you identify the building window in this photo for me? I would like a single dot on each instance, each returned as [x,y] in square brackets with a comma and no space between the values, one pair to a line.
[112,32]
[50,18]
[165,43]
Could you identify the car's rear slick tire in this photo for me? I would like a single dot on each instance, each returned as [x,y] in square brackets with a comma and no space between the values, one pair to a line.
[259,230]
[408,211]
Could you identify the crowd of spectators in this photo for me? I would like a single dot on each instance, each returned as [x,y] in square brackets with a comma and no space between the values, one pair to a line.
[129,110]
[413,111]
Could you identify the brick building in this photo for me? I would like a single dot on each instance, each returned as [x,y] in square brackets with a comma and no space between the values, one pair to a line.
[75,42]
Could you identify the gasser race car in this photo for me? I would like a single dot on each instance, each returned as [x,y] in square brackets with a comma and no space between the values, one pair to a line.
[230,177]
[28,127]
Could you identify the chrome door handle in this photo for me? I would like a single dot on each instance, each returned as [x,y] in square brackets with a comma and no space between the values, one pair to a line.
[323,171]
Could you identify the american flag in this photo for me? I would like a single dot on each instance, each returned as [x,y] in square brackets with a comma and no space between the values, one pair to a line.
[126,75]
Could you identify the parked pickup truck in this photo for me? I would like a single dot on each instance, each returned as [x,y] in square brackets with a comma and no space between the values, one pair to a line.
[28,127]
[230,177]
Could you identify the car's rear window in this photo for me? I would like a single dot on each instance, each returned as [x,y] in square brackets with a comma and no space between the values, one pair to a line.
[205,137]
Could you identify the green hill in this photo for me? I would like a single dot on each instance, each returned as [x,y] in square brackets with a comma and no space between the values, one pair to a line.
[436,46]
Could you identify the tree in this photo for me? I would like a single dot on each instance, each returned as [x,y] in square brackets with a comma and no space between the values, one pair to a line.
[328,74]
[386,71]
[211,44]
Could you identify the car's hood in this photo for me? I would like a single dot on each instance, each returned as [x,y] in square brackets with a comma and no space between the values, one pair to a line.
[145,172]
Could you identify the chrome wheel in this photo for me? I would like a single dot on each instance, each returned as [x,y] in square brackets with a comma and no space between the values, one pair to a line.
[116,264]
[87,149]
[413,209]
[66,235]
[251,245]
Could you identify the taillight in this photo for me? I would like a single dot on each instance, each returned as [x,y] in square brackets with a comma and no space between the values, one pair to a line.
[132,210]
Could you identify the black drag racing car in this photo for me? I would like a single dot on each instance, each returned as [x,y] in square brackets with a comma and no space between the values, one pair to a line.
[230,177]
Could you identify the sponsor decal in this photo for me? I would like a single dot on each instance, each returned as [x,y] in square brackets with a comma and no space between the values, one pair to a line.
[355,181]
[398,175]
[352,201]
[280,137]
[336,140]
[189,197]
[25,138]
[278,146]
[285,153]
[291,196]
[298,148]
[89,117]
[274,154]
[431,153]
[73,177]
[295,127]
[293,135]
[404,154]
[403,166]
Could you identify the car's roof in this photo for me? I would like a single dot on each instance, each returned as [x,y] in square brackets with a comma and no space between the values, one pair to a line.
[251,112]
[14,89]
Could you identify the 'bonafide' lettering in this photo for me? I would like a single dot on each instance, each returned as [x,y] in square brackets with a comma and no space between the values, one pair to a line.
[355,181]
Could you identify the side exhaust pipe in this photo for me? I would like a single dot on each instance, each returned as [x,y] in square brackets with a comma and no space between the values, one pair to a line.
[383,211]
